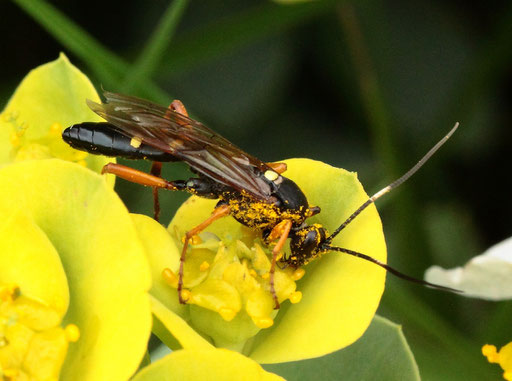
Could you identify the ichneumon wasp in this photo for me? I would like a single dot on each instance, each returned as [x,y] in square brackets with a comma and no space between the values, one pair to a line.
[255,193]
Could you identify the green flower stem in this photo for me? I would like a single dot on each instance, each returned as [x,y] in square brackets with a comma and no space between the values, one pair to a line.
[107,66]
[151,55]
[104,63]
[384,143]
[225,36]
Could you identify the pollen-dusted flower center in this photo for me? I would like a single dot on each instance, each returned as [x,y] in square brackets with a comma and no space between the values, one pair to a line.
[231,278]
[48,146]
[33,345]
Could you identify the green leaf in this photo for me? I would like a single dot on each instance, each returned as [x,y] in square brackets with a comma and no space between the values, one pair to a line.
[381,354]
[234,32]
[151,56]
[103,259]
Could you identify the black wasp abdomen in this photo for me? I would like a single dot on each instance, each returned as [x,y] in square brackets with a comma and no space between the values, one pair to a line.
[102,139]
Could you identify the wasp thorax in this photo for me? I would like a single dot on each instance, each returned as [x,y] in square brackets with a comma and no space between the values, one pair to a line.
[305,245]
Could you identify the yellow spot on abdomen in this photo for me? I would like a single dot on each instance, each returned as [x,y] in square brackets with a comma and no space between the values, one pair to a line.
[135,142]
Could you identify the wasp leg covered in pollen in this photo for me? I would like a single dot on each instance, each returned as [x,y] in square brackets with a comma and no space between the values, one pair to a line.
[218,212]
[281,231]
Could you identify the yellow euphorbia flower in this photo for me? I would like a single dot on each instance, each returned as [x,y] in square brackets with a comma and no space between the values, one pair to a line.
[33,345]
[67,242]
[225,271]
[50,98]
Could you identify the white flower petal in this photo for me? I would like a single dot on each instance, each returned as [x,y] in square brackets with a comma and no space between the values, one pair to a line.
[487,276]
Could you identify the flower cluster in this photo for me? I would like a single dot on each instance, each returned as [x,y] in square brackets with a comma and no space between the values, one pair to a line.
[83,266]
[33,345]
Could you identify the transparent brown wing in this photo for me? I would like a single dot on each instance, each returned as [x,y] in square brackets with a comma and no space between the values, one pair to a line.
[190,141]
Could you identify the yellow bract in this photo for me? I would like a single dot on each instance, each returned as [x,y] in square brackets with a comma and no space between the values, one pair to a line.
[335,300]
[49,99]
[205,364]
[59,244]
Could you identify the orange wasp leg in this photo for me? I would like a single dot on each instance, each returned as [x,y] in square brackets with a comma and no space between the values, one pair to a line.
[281,231]
[278,167]
[217,213]
[177,106]
[139,177]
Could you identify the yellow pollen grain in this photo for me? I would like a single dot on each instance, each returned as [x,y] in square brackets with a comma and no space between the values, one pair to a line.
[491,353]
[253,273]
[298,274]
[135,142]
[266,276]
[170,277]
[263,323]
[14,139]
[227,314]
[55,129]
[72,333]
[204,266]
[295,297]
[185,295]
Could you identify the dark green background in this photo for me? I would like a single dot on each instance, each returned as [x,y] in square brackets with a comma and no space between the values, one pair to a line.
[367,86]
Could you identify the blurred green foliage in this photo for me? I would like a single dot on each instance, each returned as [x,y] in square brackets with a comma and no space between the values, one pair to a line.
[367,86]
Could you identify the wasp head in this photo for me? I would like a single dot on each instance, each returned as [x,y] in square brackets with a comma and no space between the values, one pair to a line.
[306,244]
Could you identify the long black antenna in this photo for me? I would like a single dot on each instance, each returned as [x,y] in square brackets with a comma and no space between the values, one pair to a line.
[391,269]
[393,185]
